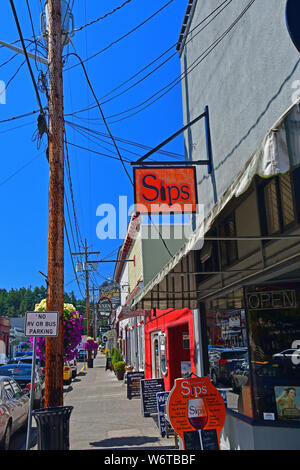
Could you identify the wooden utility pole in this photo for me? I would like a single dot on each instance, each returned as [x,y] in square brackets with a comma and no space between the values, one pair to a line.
[55,274]
[87,290]
[86,262]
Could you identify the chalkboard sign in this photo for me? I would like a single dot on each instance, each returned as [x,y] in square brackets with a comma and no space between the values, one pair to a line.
[149,389]
[192,440]
[108,363]
[133,384]
[206,439]
[209,439]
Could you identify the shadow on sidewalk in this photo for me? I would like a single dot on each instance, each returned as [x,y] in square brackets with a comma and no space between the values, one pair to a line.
[125,441]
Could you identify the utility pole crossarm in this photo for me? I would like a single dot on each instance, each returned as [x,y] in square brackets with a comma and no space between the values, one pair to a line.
[20,51]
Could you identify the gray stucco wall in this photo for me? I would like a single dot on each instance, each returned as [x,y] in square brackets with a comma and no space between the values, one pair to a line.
[155,254]
[247,82]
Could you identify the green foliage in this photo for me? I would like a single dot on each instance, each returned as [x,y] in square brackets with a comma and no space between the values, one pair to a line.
[119,366]
[116,356]
[16,302]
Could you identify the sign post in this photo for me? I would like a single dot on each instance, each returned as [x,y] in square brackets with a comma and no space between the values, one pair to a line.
[196,411]
[38,324]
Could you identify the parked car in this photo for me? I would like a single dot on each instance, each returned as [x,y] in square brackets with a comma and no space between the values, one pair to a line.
[18,355]
[73,365]
[14,407]
[223,362]
[67,373]
[28,360]
[21,373]
[291,354]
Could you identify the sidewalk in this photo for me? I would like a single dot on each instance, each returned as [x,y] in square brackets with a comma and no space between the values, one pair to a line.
[104,418]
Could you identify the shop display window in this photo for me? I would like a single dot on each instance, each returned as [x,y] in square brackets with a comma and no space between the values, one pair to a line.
[274,340]
[228,363]
[254,351]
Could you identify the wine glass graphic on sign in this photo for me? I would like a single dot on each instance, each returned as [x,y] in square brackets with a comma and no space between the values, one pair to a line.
[197,413]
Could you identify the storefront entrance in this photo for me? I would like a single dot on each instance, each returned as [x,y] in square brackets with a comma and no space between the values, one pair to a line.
[179,352]
[169,346]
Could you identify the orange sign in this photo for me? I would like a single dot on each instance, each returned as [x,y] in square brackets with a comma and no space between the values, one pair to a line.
[195,404]
[164,190]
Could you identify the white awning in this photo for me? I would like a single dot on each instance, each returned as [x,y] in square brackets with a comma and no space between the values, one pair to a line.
[271,158]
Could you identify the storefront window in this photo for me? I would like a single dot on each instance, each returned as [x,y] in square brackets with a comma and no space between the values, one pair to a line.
[274,337]
[228,351]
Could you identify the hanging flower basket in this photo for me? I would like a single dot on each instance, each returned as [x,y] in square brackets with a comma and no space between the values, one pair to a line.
[73,328]
[90,344]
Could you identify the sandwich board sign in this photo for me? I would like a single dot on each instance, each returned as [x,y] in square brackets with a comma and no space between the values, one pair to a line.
[196,411]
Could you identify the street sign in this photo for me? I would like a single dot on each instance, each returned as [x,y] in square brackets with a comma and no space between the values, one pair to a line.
[104,308]
[292,14]
[42,324]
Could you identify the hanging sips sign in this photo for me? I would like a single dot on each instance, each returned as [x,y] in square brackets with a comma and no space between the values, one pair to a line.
[159,190]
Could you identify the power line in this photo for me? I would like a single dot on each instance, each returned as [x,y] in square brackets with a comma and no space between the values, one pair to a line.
[78,235]
[101,17]
[101,112]
[163,91]
[221,7]
[19,116]
[26,55]
[178,79]
[8,178]
[95,133]
[12,77]
[98,153]
[111,136]
[122,37]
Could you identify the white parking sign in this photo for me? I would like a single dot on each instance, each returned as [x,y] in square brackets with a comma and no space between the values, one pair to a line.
[41,324]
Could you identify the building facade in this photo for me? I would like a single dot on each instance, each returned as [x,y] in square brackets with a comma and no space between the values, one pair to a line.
[242,286]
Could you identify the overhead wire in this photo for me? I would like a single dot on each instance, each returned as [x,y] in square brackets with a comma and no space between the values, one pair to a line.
[178,79]
[111,136]
[16,172]
[221,7]
[96,134]
[122,37]
[101,17]
[26,56]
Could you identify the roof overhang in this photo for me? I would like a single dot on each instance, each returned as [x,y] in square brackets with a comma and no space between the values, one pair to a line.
[272,157]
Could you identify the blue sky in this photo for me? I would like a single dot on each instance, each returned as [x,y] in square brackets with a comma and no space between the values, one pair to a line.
[95,179]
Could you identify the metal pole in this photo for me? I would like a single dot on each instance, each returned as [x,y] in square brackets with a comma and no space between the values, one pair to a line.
[28,437]
[55,274]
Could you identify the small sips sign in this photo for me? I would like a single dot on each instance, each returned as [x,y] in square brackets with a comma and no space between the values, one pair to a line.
[196,411]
